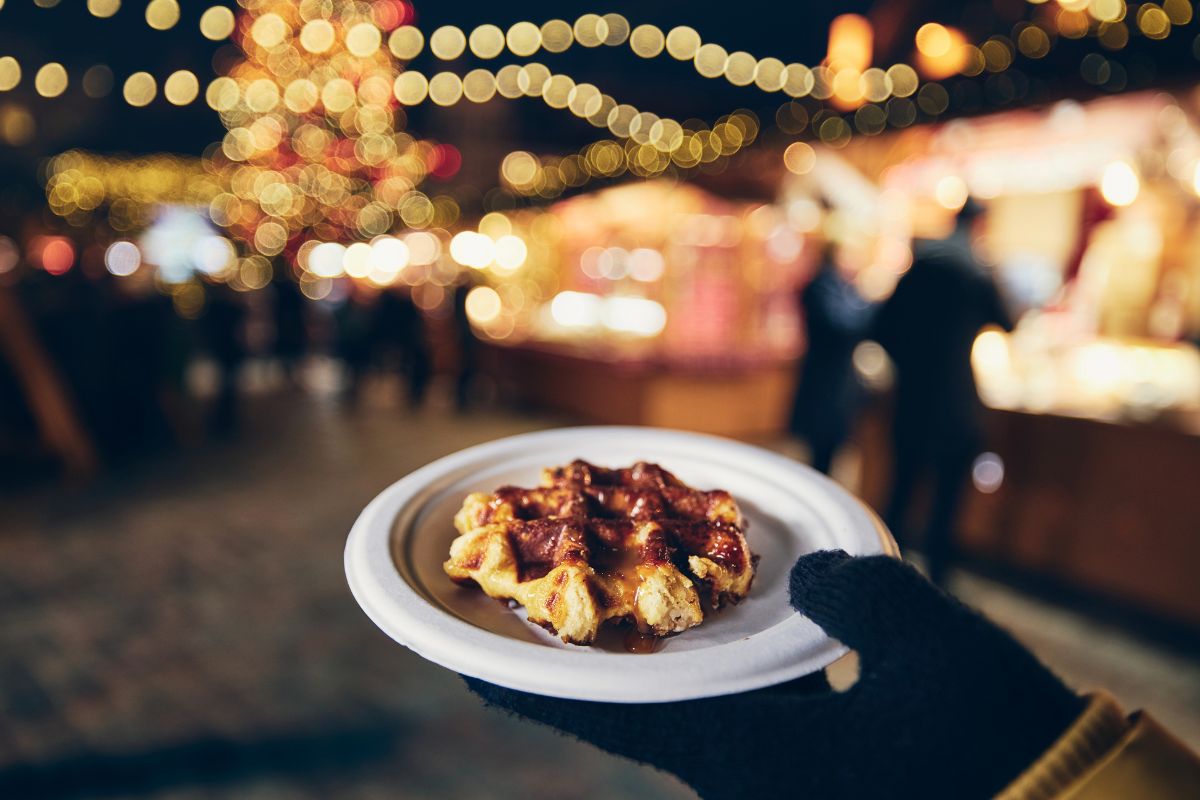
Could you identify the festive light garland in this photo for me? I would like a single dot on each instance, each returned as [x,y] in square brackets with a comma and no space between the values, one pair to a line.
[312,145]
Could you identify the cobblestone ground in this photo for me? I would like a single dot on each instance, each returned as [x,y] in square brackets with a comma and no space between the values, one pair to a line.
[185,631]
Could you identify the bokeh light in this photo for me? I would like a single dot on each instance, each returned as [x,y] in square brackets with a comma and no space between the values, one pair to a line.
[447,42]
[472,249]
[103,8]
[1119,184]
[217,23]
[140,89]
[51,80]
[122,258]
[162,14]
[181,87]
[799,157]
[483,304]
[10,73]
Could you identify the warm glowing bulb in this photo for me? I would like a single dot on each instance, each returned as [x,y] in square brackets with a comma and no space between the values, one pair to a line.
[216,23]
[448,42]
[10,73]
[317,36]
[325,260]
[410,88]
[269,31]
[103,8]
[51,80]
[799,157]
[510,252]
[951,192]
[363,39]
[162,14]
[406,42]
[519,167]
[1119,185]
[181,88]
[483,304]
[472,249]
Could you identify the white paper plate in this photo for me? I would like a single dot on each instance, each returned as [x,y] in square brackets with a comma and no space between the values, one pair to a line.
[395,552]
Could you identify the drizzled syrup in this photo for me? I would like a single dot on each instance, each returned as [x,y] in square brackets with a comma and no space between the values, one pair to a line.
[641,643]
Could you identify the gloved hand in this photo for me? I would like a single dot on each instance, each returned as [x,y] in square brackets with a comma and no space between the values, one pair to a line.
[946,705]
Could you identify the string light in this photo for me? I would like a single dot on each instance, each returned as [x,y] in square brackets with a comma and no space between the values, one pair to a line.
[162,14]
[181,87]
[140,89]
[284,97]
[80,183]
[799,157]
[103,8]
[447,42]
[405,43]
[486,41]
[10,73]
[51,80]
[557,36]
[846,87]
[217,23]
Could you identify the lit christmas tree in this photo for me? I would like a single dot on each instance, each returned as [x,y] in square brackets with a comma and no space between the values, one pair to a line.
[316,149]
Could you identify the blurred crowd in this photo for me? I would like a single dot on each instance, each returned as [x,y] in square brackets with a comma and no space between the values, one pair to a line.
[97,369]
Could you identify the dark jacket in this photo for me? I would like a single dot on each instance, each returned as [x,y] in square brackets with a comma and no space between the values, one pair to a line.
[836,319]
[928,326]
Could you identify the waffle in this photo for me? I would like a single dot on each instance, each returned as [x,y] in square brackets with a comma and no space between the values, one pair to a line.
[593,544]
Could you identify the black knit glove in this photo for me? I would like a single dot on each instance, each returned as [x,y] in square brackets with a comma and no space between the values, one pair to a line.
[946,705]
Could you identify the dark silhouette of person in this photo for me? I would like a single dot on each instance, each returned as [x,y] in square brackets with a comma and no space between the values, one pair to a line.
[145,360]
[399,327]
[928,327]
[291,333]
[468,347]
[354,322]
[221,325]
[837,319]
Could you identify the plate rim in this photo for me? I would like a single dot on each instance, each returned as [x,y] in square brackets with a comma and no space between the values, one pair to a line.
[404,614]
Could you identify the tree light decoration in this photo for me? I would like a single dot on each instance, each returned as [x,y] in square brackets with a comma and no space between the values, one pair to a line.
[316,147]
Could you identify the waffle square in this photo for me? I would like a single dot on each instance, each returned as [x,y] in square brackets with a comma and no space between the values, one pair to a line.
[593,544]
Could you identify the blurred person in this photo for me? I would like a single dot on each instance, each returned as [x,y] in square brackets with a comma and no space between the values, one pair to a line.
[354,320]
[928,327]
[146,355]
[221,326]
[399,327]
[468,346]
[291,330]
[112,344]
[836,319]
[946,705]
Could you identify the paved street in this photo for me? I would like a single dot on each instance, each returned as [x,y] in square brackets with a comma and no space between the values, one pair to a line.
[184,630]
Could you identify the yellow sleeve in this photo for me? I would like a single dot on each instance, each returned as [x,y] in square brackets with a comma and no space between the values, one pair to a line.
[1105,755]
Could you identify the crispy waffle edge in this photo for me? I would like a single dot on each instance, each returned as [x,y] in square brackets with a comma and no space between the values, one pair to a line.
[573,598]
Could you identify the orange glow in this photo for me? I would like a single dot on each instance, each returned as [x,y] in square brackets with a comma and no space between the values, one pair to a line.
[847,90]
[851,41]
[55,253]
[941,51]
[850,44]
